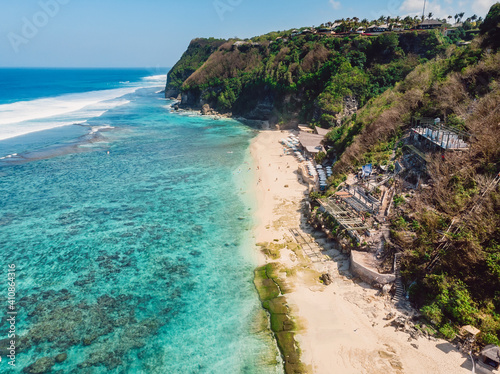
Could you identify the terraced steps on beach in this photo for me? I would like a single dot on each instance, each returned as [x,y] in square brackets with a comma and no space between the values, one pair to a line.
[310,248]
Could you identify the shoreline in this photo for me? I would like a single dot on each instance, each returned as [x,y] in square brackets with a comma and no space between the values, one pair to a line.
[213,114]
[342,327]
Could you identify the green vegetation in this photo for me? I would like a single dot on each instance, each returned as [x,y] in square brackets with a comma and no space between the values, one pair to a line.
[267,283]
[198,52]
[490,27]
[306,76]
[271,250]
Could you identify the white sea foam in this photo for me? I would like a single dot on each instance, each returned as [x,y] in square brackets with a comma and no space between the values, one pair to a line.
[25,117]
[156,78]
[95,129]
[49,107]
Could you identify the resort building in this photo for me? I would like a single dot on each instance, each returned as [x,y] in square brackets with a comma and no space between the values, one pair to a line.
[430,24]
[376,29]
[321,131]
[311,143]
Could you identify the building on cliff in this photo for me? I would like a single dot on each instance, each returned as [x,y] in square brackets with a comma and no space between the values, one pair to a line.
[430,24]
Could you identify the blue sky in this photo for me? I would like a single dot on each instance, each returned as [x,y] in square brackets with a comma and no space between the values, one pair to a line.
[151,33]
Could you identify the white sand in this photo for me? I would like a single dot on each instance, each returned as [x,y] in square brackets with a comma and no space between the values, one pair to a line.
[342,326]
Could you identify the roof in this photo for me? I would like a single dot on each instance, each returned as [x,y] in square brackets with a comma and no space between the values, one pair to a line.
[471,330]
[321,131]
[492,352]
[311,141]
[305,128]
[431,22]
[343,194]
[382,27]
[316,149]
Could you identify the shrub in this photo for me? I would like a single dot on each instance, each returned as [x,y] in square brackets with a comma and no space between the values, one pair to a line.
[398,200]
[320,157]
[433,313]
[447,331]
[489,338]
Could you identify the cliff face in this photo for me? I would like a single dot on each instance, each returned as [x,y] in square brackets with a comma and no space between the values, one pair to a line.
[320,78]
[199,50]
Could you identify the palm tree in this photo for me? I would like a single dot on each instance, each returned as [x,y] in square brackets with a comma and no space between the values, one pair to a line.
[479,21]
[456,18]
[429,16]
[460,16]
[407,21]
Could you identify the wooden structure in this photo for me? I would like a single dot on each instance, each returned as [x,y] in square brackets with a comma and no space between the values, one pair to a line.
[430,134]
[347,220]
[311,143]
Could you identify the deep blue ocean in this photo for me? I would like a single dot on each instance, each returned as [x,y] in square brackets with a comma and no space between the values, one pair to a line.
[129,226]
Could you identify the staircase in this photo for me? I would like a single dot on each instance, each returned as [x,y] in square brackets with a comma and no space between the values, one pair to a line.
[399,297]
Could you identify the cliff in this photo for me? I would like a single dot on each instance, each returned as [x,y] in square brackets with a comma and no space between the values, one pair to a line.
[199,50]
[310,77]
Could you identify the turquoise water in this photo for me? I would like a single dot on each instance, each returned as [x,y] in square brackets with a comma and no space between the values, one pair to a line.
[132,243]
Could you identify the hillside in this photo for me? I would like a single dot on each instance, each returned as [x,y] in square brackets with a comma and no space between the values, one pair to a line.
[366,90]
[199,50]
[300,78]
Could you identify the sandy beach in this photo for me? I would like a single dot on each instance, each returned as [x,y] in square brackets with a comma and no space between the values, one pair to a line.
[341,326]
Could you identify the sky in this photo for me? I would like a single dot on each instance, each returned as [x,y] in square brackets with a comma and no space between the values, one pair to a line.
[155,33]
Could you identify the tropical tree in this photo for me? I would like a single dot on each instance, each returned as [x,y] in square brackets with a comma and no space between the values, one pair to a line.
[429,16]
[479,22]
[407,22]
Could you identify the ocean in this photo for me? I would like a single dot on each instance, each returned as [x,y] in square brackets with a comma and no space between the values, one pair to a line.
[126,228]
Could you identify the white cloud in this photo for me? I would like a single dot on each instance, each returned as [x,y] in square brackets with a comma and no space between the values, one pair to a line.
[443,8]
[335,4]
[415,7]
[483,6]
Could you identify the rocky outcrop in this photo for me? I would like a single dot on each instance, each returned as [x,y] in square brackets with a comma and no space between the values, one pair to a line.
[61,357]
[350,107]
[40,366]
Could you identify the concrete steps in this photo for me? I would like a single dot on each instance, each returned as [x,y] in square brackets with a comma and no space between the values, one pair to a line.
[399,296]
